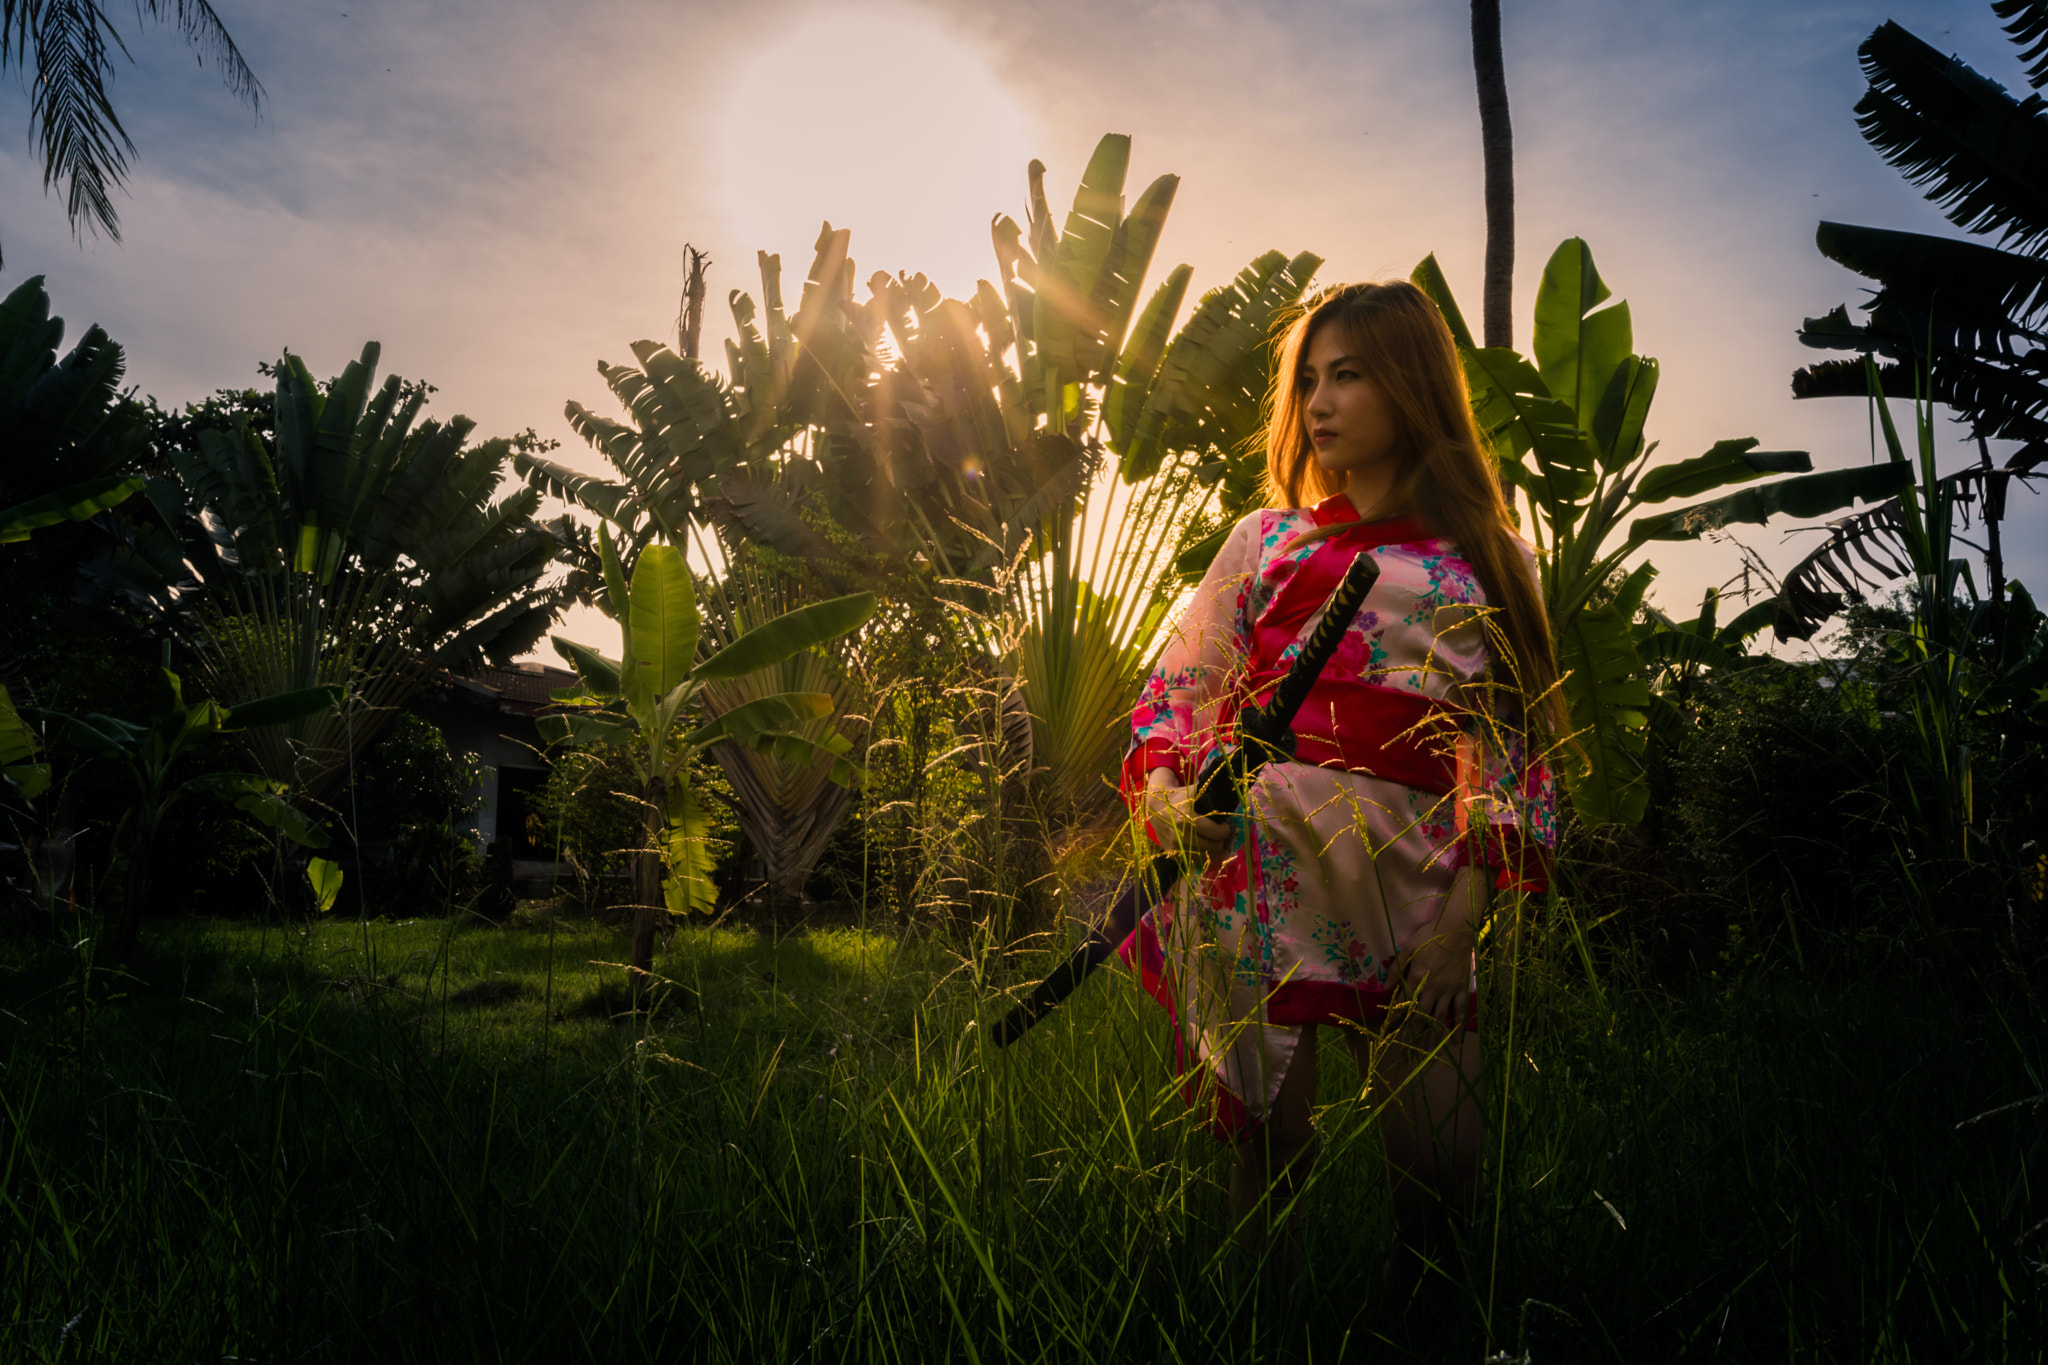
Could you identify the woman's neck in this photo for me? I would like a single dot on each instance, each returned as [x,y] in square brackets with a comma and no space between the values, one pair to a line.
[1371,491]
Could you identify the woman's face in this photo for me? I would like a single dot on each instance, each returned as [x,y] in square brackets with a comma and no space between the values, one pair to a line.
[1350,423]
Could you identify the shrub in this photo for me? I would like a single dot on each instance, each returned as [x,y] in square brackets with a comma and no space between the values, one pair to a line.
[589,808]
[1784,812]
[410,798]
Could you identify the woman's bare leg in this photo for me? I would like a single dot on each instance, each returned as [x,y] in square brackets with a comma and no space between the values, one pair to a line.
[1273,1162]
[1431,1128]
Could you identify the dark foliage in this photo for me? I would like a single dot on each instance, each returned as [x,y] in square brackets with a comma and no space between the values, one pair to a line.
[1783,815]
[593,818]
[408,801]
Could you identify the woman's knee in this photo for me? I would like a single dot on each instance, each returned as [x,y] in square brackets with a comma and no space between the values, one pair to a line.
[1290,1124]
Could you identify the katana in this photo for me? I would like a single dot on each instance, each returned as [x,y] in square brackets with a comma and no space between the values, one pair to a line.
[1265,734]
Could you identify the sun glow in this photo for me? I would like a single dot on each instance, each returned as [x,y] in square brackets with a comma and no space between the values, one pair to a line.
[883,120]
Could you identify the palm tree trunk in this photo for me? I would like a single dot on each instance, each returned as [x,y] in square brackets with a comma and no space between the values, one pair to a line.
[1994,512]
[690,322]
[1497,146]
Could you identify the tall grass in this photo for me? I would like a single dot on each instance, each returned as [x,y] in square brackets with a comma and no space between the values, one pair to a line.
[418,1143]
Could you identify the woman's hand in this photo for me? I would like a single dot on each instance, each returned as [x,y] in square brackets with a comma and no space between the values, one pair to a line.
[1168,809]
[1436,974]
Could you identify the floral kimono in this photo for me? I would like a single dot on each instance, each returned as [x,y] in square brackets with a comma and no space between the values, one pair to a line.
[1407,769]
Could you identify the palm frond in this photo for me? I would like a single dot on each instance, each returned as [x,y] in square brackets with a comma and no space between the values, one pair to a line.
[2027,25]
[1971,146]
[206,35]
[1866,550]
[2000,400]
[67,44]
[1952,294]
[1869,550]
[71,116]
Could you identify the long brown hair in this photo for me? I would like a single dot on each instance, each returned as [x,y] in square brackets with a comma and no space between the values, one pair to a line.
[1401,341]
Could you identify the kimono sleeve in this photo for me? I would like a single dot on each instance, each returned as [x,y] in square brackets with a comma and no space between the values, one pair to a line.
[1507,801]
[1507,791]
[1173,724]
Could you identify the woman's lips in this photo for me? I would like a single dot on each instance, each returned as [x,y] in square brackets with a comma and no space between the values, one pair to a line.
[1321,434]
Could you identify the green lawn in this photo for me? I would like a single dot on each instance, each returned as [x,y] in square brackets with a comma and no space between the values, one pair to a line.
[436,1140]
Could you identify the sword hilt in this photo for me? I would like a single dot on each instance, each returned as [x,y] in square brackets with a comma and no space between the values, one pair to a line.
[1338,614]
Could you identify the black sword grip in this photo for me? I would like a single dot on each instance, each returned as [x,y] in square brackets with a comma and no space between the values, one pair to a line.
[1093,952]
[1342,609]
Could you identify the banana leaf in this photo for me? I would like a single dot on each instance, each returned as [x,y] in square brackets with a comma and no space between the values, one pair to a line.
[1579,350]
[1732,461]
[600,675]
[1805,495]
[586,729]
[261,797]
[78,502]
[1428,276]
[18,749]
[663,616]
[686,852]
[828,755]
[281,708]
[777,712]
[325,878]
[1516,409]
[776,640]
[1609,703]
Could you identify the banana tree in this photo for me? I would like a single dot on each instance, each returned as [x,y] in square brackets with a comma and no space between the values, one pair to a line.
[153,750]
[912,440]
[1567,435]
[72,444]
[363,550]
[1958,319]
[645,699]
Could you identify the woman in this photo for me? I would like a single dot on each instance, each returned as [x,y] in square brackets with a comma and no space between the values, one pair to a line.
[1351,889]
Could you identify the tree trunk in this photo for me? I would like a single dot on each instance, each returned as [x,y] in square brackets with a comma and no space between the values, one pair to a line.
[1497,146]
[1994,512]
[690,321]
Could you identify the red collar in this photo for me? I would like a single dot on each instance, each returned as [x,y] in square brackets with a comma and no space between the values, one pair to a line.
[1333,511]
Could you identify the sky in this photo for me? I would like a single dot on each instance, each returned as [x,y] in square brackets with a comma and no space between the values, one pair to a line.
[500,193]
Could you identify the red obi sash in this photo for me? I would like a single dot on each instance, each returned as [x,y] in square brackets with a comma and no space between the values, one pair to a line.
[1346,723]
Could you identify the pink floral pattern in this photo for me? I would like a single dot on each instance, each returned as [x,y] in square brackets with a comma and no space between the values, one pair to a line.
[1331,875]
